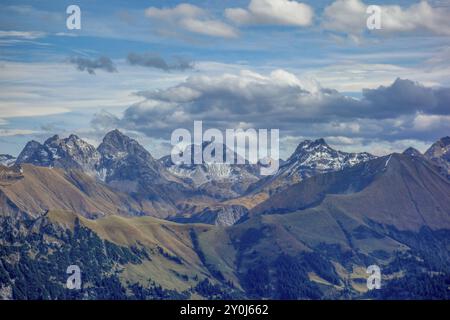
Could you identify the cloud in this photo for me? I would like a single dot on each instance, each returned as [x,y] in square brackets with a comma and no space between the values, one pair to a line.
[424,123]
[16,132]
[192,19]
[104,121]
[406,96]
[90,65]
[281,100]
[156,61]
[349,16]
[272,12]
[27,35]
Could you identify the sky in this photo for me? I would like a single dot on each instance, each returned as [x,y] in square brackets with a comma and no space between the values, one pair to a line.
[311,69]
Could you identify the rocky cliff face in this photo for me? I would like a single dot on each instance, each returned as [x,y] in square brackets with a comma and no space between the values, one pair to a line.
[439,154]
[7,160]
[222,180]
[68,153]
[309,159]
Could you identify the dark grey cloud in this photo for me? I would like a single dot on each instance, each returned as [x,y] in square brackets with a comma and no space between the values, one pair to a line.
[155,61]
[403,110]
[90,65]
[406,97]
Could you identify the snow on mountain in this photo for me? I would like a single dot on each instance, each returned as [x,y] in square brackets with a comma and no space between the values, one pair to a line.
[7,160]
[319,156]
[439,154]
[412,152]
[221,172]
[310,158]
[68,153]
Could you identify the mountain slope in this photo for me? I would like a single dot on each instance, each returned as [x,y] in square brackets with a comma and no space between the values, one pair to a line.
[120,258]
[220,180]
[310,158]
[406,192]
[126,166]
[316,238]
[68,153]
[120,162]
[33,190]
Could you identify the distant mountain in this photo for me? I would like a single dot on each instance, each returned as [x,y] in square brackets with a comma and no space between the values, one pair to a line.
[119,161]
[412,152]
[7,160]
[220,180]
[68,153]
[318,236]
[403,191]
[309,159]
[439,154]
[127,166]
[124,158]
[313,240]
[33,190]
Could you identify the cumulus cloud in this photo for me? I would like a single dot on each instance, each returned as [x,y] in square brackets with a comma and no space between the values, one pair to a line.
[406,96]
[156,61]
[296,107]
[272,12]
[104,121]
[349,16]
[193,19]
[90,65]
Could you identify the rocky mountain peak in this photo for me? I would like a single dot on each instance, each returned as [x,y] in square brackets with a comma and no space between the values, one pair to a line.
[309,146]
[117,145]
[412,152]
[318,154]
[439,154]
[309,159]
[52,140]
[7,160]
[35,153]
[68,153]
[445,141]
[319,142]
[439,148]
[74,137]
[123,157]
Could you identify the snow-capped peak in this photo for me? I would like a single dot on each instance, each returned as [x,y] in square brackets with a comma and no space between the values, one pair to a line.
[7,160]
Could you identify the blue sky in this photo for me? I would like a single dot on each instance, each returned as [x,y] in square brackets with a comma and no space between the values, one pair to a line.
[310,68]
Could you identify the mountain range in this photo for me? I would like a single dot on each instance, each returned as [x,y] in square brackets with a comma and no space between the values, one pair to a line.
[147,228]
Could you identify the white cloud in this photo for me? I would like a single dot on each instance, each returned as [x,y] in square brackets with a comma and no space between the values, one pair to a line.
[272,12]
[16,132]
[296,107]
[349,16]
[193,19]
[28,35]
[424,122]
[48,88]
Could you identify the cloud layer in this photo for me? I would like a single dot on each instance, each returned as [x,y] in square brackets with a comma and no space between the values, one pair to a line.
[191,18]
[341,16]
[349,16]
[402,110]
[90,65]
[272,12]
[155,61]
